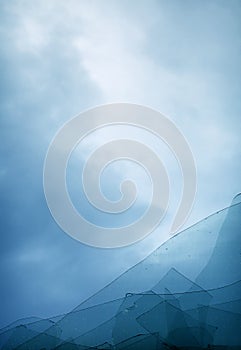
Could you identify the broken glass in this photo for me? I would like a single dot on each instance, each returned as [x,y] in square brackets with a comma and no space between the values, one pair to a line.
[186,294]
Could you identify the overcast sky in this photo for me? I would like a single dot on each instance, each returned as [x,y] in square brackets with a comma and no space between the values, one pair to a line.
[59,58]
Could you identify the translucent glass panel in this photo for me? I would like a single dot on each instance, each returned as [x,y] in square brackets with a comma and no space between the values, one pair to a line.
[185,295]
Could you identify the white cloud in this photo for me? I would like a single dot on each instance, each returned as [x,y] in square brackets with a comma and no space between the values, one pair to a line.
[116,49]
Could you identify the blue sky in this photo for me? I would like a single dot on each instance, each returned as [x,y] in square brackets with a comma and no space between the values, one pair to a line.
[59,58]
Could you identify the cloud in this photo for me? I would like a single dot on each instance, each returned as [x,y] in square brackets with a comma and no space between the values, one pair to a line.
[60,58]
